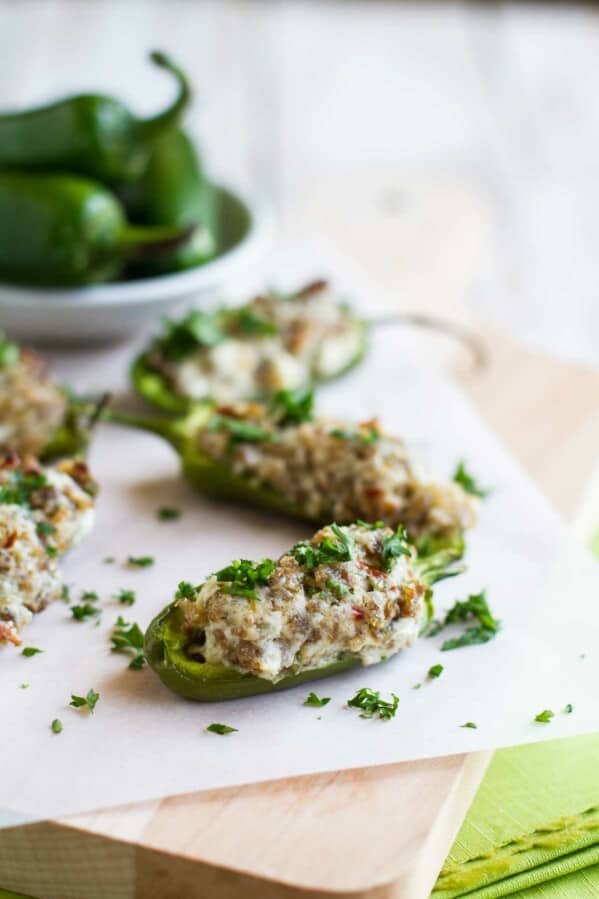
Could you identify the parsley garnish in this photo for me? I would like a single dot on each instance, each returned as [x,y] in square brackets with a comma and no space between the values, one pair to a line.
[44,528]
[337,588]
[185,590]
[109,560]
[292,407]
[247,320]
[372,705]
[56,726]
[129,638]
[366,435]
[240,431]
[29,651]
[24,686]
[433,628]
[126,597]
[51,551]
[464,478]
[221,729]
[243,576]
[140,561]
[475,607]
[89,700]
[197,329]
[568,709]
[166,513]
[89,596]
[86,610]
[470,724]
[315,701]
[394,546]
[18,489]
[545,716]
[435,671]
[65,594]
[325,552]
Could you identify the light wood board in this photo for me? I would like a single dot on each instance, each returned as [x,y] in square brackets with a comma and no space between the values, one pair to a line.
[379,833]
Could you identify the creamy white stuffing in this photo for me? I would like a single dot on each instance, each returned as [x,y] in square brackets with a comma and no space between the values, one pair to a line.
[338,595]
[331,470]
[44,512]
[273,343]
[32,405]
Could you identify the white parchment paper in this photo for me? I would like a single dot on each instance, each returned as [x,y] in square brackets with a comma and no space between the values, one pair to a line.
[143,742]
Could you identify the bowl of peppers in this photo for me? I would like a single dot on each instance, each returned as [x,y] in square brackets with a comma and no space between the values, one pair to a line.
[108,219]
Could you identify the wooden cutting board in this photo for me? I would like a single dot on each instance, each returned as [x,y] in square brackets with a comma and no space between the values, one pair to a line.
[367,834]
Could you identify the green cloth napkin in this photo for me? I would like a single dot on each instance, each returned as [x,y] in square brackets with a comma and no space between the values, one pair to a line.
[533,823]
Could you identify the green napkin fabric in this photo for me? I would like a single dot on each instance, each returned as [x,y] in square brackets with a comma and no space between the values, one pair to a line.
[533,825]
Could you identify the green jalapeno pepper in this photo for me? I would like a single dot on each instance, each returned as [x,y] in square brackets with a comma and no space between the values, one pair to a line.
[168,645]
[89,134]
[72,437]
[200,333]
[218,478]
[175,191]
[64,230]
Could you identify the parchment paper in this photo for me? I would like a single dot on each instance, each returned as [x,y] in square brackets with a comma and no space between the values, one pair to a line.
[143,742]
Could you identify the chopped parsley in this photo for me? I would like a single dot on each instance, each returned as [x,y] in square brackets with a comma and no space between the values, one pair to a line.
[88,701]
[474,608]
[241,431]
[435,671]
[129,638]
[568,709]
[221,729]
[24,686]
[249,322]
[545,716]
[327,551]
[315,701]
[167,513]
[29,651]
[394,546]
[465,479]
[126,597]
[56,726]
[51,551]
[19,487]
[197,329]
[84,610]
[470,724]
[372,705]
[366,435]
[241,577]
[89,596]
[185,590]
[140,561]
[292,407]
[109,560]
[337,588]
[44,528]
[65,593]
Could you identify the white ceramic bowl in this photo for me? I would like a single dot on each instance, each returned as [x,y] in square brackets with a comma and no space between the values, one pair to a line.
[110,311]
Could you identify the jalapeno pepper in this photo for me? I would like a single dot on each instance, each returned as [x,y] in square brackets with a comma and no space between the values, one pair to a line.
[89,134]
[64,230]
[72,437]
[222,478]
[175,191]
[169,649]
[276,331]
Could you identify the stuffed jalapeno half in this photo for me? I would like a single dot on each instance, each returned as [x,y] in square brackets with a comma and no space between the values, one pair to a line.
[44,512]
[280,456]
[37,416]
[250,352]
[350,596]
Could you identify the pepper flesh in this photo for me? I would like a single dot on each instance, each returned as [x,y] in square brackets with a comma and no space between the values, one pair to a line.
[218,479]
[63,230]
[89,134]
[166,641]
[175,191]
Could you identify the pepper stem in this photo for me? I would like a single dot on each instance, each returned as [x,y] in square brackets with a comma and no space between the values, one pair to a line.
[149,241]
[148,129]
[176,430]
